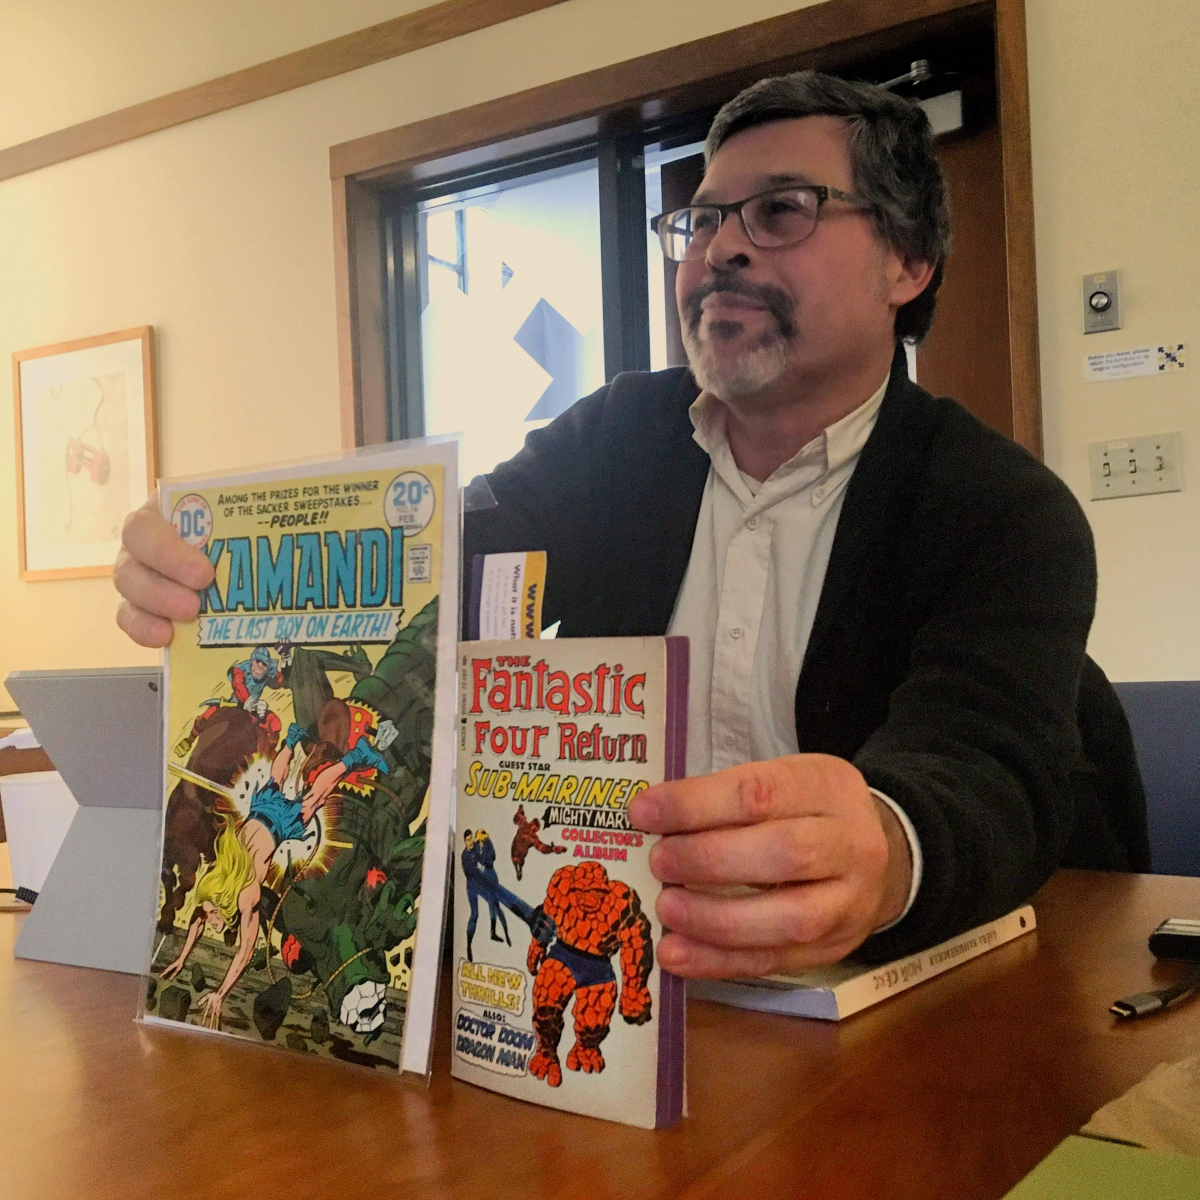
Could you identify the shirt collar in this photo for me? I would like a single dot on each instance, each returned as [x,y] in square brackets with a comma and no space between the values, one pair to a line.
[845,439]
[834,447]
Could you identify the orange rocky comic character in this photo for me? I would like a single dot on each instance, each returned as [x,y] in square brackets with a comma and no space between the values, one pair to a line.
[594,917]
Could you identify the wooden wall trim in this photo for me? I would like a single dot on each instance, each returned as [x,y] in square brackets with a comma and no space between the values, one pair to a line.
[389,39]
[1012,88]
[359,285]
[370,313]
[343,288]
[815,31]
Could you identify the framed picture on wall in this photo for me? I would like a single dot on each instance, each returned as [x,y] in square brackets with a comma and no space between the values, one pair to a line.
[86,449]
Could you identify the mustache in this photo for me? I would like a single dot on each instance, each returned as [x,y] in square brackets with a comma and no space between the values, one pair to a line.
[776,301]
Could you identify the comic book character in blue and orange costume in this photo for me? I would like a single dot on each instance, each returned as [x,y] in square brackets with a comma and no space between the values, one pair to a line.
[285,817]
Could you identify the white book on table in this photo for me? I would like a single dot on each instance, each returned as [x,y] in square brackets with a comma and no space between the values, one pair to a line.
[841,989]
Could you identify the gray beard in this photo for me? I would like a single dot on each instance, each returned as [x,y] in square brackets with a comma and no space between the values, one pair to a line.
[730,379]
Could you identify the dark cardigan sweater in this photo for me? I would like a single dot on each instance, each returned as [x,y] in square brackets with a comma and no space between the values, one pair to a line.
[948,645]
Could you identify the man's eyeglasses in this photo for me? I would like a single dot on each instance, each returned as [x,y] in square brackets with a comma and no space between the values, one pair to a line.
[779,217]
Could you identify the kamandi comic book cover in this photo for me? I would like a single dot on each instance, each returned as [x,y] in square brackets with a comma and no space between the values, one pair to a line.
[558,998]
[309,742]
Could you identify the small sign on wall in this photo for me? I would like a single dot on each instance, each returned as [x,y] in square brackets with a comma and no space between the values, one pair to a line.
[1125,364]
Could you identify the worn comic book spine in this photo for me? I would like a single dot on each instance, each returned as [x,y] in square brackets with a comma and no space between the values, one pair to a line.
[673,996]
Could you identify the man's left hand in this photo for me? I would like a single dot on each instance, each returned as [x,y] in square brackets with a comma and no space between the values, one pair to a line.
[830,860]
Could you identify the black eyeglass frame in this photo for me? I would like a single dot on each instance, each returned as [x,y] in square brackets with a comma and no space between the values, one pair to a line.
[822,193]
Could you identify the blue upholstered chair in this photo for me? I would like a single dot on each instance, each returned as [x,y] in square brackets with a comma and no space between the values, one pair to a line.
[1165,720]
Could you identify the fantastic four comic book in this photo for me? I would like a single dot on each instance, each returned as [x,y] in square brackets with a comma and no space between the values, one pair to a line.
[558,998]
[309,716]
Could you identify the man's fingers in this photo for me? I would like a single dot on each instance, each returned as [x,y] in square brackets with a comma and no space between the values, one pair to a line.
[158,575]
[146,630]
[739,796]
[694,960]
[790,916]
[153,593]
[681,955]
[798,785]
[152,541]
[787,851]
[807,823]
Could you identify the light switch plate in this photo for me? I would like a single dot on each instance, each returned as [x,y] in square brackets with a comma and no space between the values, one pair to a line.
[1137,466]
[1102,302]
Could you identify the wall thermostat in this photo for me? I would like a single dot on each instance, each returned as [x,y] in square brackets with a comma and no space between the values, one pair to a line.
[1102,302]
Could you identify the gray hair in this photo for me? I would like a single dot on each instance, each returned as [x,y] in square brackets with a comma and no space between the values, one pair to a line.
[891,156]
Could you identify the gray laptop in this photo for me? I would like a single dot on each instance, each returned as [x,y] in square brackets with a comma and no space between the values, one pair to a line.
[103,732]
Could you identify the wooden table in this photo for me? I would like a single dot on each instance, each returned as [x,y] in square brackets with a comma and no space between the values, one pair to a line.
[956,1088]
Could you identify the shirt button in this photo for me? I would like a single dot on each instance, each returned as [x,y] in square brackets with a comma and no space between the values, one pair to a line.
[729,739]
[752,523]
[820,492]
[736,632]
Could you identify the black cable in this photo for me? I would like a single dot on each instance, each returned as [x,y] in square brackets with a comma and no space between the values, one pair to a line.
[28,895]
[1143,1003]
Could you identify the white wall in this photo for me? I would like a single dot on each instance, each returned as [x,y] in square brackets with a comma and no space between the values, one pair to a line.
[219,233]
[1115,91]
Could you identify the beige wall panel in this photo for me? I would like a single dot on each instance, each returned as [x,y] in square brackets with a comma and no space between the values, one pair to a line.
[1116,173]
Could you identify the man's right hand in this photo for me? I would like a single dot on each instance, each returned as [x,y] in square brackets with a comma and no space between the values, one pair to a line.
[159,575]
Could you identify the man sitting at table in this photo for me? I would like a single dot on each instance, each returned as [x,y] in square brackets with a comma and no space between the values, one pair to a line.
[888,603]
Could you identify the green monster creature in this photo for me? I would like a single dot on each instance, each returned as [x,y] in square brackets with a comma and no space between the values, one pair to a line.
[307,676]
[340,925]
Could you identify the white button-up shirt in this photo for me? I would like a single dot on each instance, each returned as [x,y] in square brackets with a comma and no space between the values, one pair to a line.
[751,590]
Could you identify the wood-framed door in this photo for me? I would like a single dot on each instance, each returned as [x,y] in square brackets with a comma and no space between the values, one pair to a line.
[985,339]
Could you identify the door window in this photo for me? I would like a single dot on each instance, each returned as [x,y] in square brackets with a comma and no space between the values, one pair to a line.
[512,328]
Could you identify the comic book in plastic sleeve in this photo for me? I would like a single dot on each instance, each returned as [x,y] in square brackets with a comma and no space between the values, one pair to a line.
[557,994]
[309,717]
